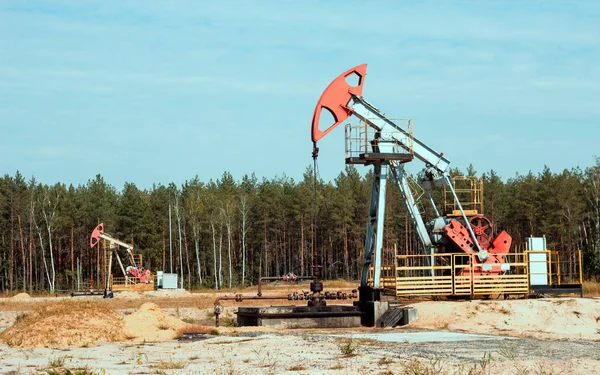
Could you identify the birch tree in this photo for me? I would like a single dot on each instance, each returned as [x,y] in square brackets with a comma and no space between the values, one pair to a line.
[244,214]
[592,190]
[214,241]
[227,216]
[178,217]
[48,205]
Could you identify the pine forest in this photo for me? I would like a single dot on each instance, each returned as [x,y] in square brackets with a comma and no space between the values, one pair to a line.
[228,233]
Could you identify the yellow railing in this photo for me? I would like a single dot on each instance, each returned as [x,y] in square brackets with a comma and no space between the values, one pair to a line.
[387,278]
[416,276]
[459,274]
[127,280]
[566,267]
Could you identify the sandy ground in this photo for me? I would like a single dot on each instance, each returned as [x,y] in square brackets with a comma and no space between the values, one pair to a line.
[312,353]
[542,336]
[546,318]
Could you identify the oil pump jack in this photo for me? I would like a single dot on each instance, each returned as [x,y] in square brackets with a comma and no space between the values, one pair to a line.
[387,146]
[134,273]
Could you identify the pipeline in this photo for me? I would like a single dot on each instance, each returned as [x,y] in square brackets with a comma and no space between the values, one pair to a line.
[288,277]
[239,298]
[326,295]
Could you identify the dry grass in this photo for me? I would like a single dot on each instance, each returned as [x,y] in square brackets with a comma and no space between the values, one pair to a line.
[591,288]
[347,347]
[170,365]
[297,368]
[506,311]
[68,323]
[202,299]
[194,328]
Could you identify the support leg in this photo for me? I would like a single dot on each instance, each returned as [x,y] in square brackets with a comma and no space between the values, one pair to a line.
[374,236]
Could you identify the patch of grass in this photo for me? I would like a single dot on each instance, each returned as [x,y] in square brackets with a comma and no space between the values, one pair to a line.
[337,366]
[265,360]
[163,326]
[170,365]
[227,321]
[190,320]
[140,358]
[591,288]
[418,367]
[297,368]
[21,316]
[509,351]
[483,367]
[506,311]
[385,361]
[193,358]
[234,333]
[214,332]
[543,370]
[66,371]
[347,347]
[57,361]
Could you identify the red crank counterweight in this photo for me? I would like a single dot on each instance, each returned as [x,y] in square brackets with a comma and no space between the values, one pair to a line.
[335,99]
[482,227]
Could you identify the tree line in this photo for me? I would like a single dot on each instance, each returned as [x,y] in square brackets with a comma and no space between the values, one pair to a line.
[225,233]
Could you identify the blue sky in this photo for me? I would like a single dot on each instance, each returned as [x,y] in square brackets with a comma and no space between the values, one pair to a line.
[161,91]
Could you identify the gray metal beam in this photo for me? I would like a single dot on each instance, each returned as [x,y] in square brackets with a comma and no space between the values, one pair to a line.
[371,115]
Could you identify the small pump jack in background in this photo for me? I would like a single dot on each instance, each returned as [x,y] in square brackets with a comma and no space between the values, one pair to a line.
[134,273]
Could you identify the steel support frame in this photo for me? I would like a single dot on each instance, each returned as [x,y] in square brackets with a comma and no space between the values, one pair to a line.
[374,118]
[413,211]
[374,236]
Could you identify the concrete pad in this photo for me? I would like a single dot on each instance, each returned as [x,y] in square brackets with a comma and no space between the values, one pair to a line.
[333,316]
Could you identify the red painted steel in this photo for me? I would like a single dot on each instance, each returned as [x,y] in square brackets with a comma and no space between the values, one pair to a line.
[95,238]
[483,229]
[458,234]
[335,99]
[501,244]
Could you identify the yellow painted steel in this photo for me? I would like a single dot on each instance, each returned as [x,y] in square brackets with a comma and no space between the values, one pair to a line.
[457,276]
[453,274]
[387,279]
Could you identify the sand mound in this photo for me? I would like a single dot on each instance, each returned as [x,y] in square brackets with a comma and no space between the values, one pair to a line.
[22,296]
[551,318]
[150,323]
[128,295]
[66,324]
